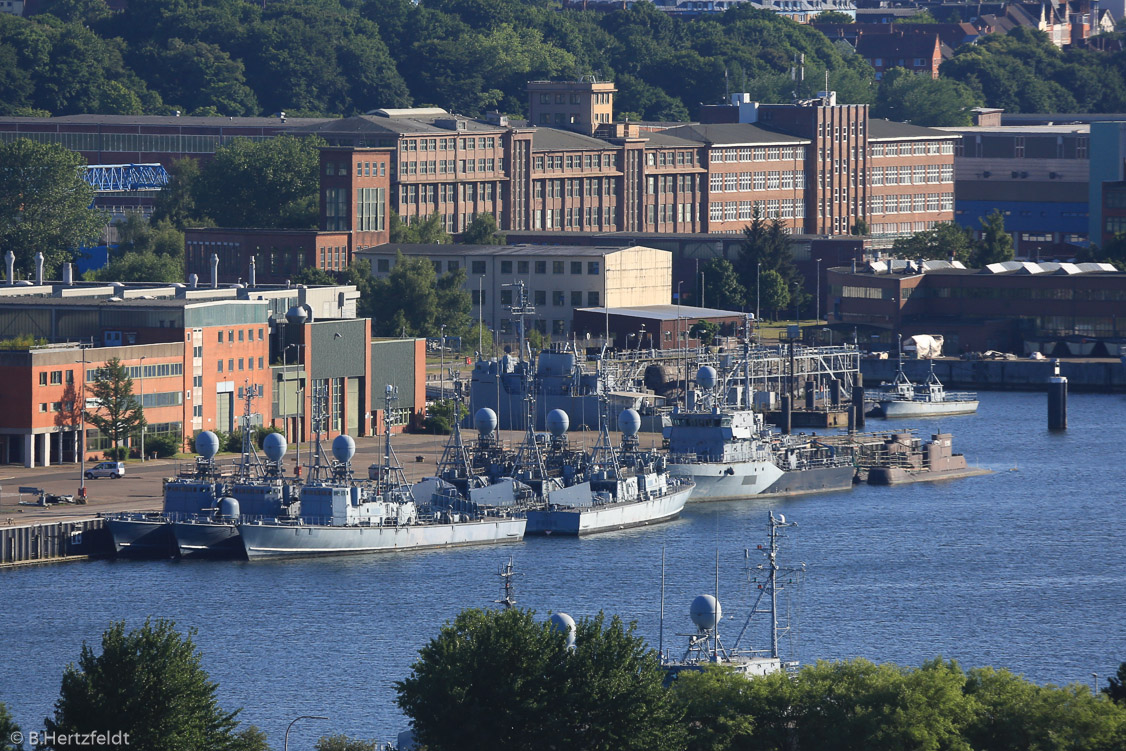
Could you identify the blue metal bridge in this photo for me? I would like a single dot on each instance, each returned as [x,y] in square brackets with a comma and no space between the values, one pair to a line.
[125,177]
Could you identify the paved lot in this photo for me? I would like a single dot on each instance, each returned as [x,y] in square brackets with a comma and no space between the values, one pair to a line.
[140,488]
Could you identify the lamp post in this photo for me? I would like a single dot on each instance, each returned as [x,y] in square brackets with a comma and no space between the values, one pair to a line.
[442,366]
[143,409]
[480,314]
[758,273]
[285,386]
[295,719]
[82,431]
[797,310]
[679,342]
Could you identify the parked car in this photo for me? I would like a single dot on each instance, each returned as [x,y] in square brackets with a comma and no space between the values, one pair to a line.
[106,469]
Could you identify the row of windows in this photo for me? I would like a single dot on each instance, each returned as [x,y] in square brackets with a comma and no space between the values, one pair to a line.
[573,161]
[745,211]
[334,258]
[672,212]
[901,228]
[756,154]
[450,166]
[159,370]
[915,148]
[1115,225]
[96,441]
[916,174]
[868,293]
[911,203]
[371,205]
[587,217]
[56,377]
[449,144]
[1027,293]
[363,169]
[163,399]
[591,187]
[446,193]
[681,158]
[243,335]
[539,297]
[746,181]
[246,363]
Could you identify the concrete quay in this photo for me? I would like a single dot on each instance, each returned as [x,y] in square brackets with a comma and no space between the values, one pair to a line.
[1093,375]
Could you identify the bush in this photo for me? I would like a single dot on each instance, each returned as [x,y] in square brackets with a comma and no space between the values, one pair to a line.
[116,454]
[163,445]
[260,434]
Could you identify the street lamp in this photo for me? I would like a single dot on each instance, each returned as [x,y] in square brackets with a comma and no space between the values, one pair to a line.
[797,311]
[295,719]
[679,342]
[817,318]
[758,273]
[442,366]
[480,314]
[143,409]
[81,443]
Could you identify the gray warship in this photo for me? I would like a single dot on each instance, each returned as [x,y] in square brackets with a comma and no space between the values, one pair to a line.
[730,454]
[149,535]
[340,515]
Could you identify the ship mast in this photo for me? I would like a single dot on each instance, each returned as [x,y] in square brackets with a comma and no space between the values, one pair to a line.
[769,584]
[529,458]
[455,456]
[249,455]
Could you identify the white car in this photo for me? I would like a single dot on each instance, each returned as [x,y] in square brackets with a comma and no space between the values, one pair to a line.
[106,469]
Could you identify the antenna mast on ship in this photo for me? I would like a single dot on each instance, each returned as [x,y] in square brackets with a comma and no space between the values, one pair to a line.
[249,455]
[529,456]
[455,456]
[507,575]
[769,584]
[319,420]
[391,475]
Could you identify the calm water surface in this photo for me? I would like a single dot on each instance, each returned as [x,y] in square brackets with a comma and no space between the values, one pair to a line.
[1023,569]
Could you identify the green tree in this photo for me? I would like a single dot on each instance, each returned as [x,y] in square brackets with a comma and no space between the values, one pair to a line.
[411,298]
[8,727]
[766,248]
[920,17]
[938,243]
[860,227]
[705,331]
[138,235]
[141,267]
[500,679]
[722,288]
[1014,714]
[175,203]
[775,293]
[428,231]
[454,303]
[995,245]
[1116,686]
[44,204]
[478,334]
[117,413]
[537,340]
[1113,252]
[440,416]
[148,683]
[343,743]
[919,99]
[483,231]
[271,183]
[717,708]
[833,16]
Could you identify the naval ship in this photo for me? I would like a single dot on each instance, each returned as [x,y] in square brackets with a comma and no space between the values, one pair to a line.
[340,515]
[149,535]
[614,490]
[729,453]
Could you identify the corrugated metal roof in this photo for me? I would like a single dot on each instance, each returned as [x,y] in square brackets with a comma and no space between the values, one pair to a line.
[554,139]
[665,312]
[888,130]
[449,249]
[732,134]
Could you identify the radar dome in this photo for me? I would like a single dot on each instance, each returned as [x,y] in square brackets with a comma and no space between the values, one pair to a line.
[706,612]
[557,422]
[207,444]
[485,421]
[706,377]
[275,445]
[343,448]
[566,624]
[296,315]
[629,422]
[228,508]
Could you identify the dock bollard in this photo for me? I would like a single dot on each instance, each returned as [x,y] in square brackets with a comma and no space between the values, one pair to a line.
[858,402]
[1057,399]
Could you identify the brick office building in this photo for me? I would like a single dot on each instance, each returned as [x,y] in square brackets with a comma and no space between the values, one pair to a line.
[354,187]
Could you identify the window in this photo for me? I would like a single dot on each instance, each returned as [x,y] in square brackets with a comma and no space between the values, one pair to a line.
[220,363]
[557,298]
[522,267]
[382,264]
[541,267]
[43,379]
[506,267]
[220,337]
[506,297]
[576,267]
[592,268]
[576,299]
[556,267]
[592,299]
[478,267]
[539,297]
[240,335]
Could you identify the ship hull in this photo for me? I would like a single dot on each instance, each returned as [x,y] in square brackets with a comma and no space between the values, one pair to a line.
[261,541]
[142,538]
[926,408]
[208,540]
[609,517]
[733,481]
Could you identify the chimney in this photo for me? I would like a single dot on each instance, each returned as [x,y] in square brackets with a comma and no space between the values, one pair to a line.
[68,274]
[10,262]
[253,274]
[854,265]
[193,280]
[214,271]
[39,268]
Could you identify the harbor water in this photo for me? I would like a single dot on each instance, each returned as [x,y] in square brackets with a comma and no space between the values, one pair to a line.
[1022,569]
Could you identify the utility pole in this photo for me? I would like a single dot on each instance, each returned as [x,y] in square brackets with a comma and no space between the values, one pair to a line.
[142,409]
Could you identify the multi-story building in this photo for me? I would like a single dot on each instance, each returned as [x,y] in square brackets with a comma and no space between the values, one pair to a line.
[1058,309]
[806,164]
[910,176]
[1035,175]
[193,353]
[582,105]
[559,278]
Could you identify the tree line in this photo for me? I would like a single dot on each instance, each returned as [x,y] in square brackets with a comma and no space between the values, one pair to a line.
[506,680]
[343,57]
